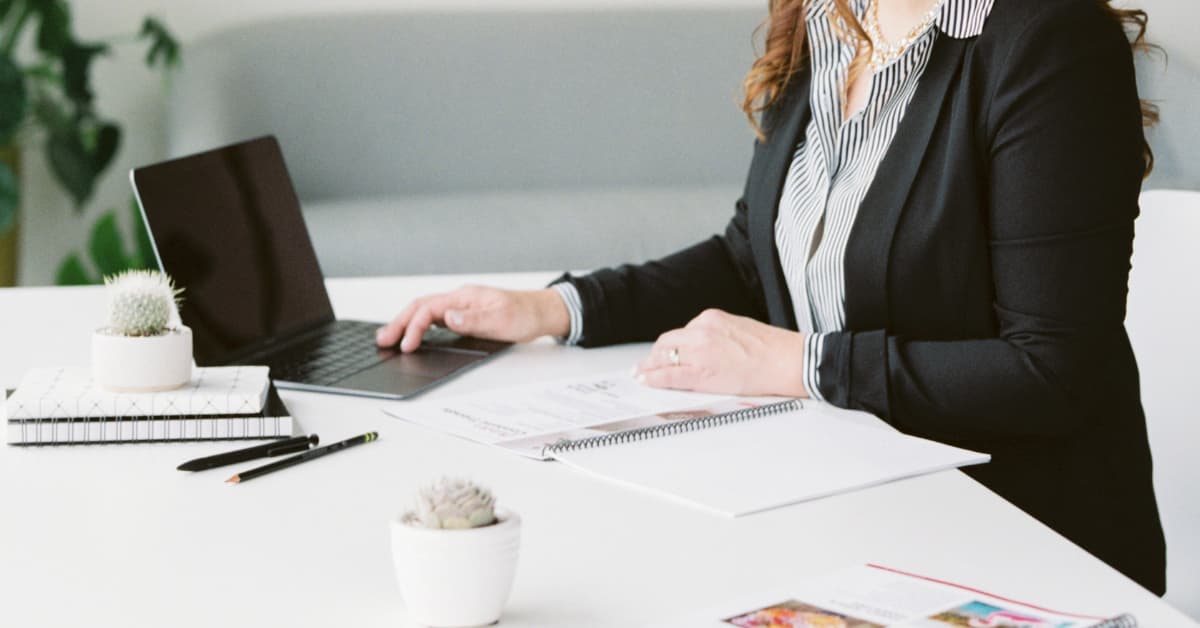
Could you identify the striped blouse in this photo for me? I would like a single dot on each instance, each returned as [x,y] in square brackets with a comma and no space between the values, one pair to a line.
[833,167]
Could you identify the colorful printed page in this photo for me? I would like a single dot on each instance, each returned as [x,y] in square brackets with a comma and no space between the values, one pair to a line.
[526,419]
[871,596]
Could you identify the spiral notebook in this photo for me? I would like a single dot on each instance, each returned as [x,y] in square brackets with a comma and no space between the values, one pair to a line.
[728,455]
[61,406]
[760,458]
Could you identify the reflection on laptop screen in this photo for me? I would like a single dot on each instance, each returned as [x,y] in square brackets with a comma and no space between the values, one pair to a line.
[227,226]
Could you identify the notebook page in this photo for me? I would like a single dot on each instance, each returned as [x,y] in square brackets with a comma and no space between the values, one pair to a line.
[765,463]
[523,419]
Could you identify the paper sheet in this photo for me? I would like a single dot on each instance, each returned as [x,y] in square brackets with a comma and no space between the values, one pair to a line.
[524,419]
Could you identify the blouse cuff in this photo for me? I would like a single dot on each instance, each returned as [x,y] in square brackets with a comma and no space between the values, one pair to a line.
[813,343]
[570,297]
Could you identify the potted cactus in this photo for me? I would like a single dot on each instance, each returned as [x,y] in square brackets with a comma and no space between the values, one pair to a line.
[139,350]
[455,556]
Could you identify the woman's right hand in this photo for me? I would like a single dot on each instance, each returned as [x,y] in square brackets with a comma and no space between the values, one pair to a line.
[480,311]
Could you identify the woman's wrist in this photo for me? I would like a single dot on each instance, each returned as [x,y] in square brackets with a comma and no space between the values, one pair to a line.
[790,365]
[551,313]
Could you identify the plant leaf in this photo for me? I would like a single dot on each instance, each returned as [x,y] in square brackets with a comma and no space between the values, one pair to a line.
[77,62]
[13,99]
[163,45]
[10,197]
[104,246]
[54,32]
[72,273]
[108,139]
[72,165]
[143,247]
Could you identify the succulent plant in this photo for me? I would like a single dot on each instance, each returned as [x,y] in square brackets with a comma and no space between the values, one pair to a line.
[139,302]
[453,504]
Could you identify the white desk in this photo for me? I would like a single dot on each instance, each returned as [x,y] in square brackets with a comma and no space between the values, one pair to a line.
[114,536]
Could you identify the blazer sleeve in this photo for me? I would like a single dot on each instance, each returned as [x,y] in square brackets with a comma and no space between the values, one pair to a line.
[1065,141]
[634,303]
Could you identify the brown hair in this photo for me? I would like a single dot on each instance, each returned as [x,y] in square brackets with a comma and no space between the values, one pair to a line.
[785,47]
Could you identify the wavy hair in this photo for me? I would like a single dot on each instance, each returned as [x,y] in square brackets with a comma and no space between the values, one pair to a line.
[784,53]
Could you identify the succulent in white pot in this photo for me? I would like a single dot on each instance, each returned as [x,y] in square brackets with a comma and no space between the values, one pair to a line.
[139,350]
[455,555]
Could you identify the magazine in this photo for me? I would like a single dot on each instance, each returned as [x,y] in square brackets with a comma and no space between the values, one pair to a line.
[873,596]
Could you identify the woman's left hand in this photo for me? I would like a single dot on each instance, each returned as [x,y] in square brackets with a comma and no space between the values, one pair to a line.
[718,352]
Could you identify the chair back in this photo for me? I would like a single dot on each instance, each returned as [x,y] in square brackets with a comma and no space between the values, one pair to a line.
[1163,320]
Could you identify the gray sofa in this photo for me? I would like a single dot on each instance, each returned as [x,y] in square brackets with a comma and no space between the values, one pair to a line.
[468,141]
[474,141]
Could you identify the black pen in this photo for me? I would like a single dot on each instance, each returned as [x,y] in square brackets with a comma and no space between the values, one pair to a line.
[311,454]
[275,448]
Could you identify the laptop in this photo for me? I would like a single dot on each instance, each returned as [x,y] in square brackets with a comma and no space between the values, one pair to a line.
[226,225]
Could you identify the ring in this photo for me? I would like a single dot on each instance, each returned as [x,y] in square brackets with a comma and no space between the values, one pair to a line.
[673,356]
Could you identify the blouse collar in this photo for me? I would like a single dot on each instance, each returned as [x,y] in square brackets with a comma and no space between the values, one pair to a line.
[960,19]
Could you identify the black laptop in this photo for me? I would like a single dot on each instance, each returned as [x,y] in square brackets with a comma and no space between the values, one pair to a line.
[226,225]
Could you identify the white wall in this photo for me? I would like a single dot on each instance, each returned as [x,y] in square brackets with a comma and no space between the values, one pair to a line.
[134,96]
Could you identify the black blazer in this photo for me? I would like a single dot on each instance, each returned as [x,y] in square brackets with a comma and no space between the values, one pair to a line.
[986,272]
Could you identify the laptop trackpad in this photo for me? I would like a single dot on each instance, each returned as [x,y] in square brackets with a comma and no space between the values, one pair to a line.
[407,373]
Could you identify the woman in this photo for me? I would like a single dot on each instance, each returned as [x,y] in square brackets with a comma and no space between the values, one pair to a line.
[936,228]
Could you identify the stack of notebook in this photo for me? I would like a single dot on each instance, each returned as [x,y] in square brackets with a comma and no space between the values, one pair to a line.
[59,406]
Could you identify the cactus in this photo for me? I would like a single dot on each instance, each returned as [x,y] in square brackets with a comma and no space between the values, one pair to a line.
[139,302]
[453,504]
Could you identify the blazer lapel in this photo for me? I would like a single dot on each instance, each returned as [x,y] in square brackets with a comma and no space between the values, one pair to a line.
[784,124]
[869,248]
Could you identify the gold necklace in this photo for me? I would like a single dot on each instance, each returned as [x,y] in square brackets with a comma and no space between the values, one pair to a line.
[883,51]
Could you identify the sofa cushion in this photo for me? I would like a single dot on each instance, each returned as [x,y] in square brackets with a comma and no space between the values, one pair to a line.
[512,231]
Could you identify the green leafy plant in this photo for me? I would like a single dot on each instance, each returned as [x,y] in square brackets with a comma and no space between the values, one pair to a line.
[108,251]
[51,92]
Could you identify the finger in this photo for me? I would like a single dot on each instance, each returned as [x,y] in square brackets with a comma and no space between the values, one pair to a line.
[681,340]
[421,320]
[389,334]
[677,377]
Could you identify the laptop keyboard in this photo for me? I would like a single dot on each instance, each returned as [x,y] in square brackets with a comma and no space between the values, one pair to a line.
[347,347]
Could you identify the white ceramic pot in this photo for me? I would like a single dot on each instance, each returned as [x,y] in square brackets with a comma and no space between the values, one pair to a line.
[456,578]
[142,363]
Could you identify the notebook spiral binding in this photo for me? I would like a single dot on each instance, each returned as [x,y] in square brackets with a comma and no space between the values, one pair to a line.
[676,427]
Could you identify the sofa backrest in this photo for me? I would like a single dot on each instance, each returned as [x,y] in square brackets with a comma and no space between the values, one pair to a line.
[379,104]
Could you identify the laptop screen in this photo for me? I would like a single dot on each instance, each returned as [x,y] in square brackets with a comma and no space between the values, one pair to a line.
[227,227]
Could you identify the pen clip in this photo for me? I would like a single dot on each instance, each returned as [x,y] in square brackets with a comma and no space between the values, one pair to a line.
[292,448]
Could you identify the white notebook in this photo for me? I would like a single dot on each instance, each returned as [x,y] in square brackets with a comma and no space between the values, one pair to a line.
[759,458]
[69,392]
[61,407]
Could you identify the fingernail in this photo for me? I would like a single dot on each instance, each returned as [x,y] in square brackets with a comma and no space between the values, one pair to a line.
[633,371]
[454,317]
[379,335]
[641,378]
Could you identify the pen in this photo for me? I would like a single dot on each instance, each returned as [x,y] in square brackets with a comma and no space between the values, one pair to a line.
[276,448]
[311,454]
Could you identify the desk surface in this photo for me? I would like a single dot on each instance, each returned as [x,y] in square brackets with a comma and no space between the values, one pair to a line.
[114,536]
